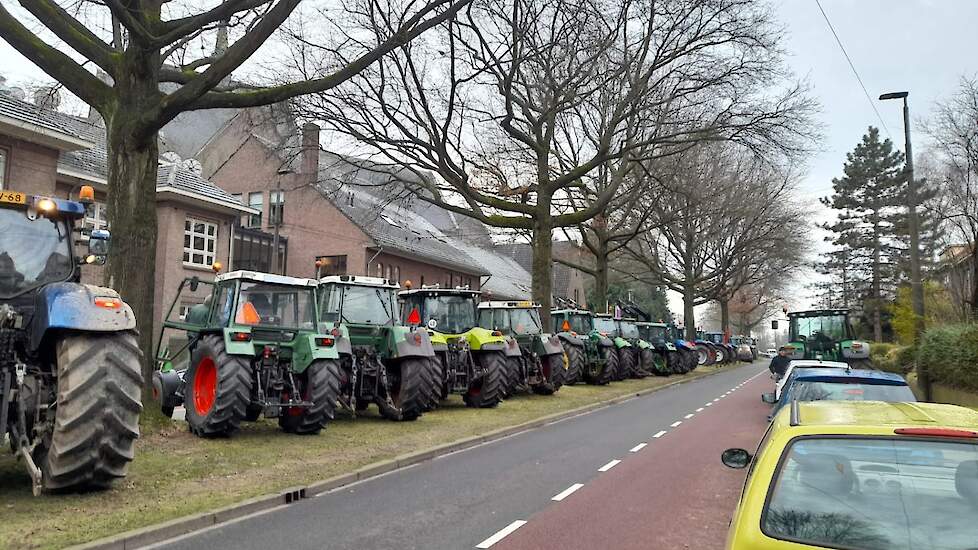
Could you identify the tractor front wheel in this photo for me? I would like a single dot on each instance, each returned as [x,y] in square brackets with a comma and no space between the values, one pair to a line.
[218,389]
[432,384]
[321,387]
[487,391]
[575,364]
[405,393]
[96,419]
[703,355]
[626,363]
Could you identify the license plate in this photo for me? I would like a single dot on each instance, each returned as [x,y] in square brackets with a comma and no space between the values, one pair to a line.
[13,197]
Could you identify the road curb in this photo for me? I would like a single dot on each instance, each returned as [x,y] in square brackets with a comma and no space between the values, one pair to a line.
[153,534]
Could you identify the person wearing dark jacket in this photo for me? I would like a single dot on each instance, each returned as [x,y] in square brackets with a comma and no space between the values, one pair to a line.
[779,365]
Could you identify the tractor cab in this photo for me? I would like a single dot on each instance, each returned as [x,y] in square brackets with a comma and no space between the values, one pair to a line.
[448,311]
[656,334]
[572,321]
[606,326]
[826,334]
[539,365]
[587,349]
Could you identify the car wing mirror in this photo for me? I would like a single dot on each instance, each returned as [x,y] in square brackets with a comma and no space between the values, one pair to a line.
[737,459]
[769,398]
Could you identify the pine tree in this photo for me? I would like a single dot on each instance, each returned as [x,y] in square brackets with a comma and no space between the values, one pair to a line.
[868,202]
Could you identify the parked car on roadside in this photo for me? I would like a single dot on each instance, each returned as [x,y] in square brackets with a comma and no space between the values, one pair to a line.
[860,475]
[799,365]
[831,384]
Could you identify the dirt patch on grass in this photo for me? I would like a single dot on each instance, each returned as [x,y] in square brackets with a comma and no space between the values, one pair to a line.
[177,474]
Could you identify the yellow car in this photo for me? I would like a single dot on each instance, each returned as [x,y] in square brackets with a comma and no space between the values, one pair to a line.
[860,475]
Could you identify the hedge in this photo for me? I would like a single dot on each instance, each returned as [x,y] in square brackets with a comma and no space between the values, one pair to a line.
[899,359]
[950,355]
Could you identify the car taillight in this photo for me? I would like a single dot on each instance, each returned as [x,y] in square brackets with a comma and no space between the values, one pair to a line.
[108,303]
[241,336]
[937,432]
[324,342]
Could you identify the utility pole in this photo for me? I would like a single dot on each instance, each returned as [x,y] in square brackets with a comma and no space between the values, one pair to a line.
[916,282]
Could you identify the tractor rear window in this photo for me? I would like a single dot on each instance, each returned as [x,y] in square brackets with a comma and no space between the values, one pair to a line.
[451,314]
[32,252]
[578,323]
[876,493]
[828,328]
[605,324]
[278,306]
[629,330]
[524,321]
[368,305]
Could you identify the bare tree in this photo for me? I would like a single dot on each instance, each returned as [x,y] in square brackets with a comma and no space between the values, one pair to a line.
[515,105]
[148,47]
[954,130]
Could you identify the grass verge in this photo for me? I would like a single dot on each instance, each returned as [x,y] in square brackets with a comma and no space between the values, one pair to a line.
[176,474]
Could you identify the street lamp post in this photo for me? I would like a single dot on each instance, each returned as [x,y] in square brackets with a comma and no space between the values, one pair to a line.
[916,283]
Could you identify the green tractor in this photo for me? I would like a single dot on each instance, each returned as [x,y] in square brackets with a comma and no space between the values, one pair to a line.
[589,352]
[535,360]
[252,349]
[663,355]
[825,334]
[381,361]
[472,359]
[643,353]
[606,325]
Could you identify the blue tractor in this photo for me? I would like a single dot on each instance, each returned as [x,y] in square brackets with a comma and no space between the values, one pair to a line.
[70,378]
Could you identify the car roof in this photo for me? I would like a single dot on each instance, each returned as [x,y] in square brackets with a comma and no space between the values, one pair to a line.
[877,414]
[816,363]
[851,375]
[359,280]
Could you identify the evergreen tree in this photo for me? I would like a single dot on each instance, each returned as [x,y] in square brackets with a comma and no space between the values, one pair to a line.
[868,202]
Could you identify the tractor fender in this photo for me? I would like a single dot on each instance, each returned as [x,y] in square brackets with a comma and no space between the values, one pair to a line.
[411,342]
[567,339]
[512,348]
[621,343]
[549,344]
[605,342]
[480,339]
[642,344]
[71,306]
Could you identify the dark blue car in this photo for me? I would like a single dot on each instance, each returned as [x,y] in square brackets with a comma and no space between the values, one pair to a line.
[817,384]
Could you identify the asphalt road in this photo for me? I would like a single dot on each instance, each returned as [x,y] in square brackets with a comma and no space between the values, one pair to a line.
[501,494]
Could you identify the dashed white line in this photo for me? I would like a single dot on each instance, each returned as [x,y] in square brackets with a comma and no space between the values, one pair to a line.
[567,492]
[676,423]
[688,416]
[609,465]
[660,434]
[699,409]
[637,448]
[708,404]
[503,533]
[717,399]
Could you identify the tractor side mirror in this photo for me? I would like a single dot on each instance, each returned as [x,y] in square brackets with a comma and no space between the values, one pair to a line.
[194,283]
[768,398]
[774,325]
[737,459]
[98,246]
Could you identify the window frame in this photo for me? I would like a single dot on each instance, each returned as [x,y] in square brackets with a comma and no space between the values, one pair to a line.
[190,251]
[276,204]
[252,218]
[99,217]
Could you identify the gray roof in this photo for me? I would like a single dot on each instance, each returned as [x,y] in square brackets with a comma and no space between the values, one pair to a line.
[178,176]
[32,114]
[508,279]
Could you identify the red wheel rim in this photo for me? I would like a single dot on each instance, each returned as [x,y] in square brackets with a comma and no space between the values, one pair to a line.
[205,386]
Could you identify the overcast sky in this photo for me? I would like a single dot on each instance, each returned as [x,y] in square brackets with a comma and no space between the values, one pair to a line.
[922,46]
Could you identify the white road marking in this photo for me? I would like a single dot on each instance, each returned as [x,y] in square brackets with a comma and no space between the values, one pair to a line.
[708,404]
[676,423]
[717,399]
[503,533]
[567,492]
[609,465]
[688,416]
[699,409]
[637,448]
[660,434]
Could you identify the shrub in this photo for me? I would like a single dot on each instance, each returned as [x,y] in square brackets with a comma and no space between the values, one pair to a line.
[899,360]
[878,350]
[950,355]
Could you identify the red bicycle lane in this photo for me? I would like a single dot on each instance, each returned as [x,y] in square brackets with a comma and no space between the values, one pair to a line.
[671,493]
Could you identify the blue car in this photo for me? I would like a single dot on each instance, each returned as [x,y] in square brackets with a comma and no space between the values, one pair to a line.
[829,384]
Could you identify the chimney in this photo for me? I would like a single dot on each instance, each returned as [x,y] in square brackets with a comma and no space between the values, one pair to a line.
[47,97]
[309,157]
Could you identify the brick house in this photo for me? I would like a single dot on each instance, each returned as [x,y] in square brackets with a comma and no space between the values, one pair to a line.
[47,152]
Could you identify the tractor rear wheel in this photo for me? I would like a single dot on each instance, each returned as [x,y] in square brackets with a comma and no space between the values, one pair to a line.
[321,387]
[675,362]
[512,376]
[640,369]
[611,364]
[703,355]
[626,363]
[656,362]
[97,412]
[405,394]
[575,363]
[486,392]
[432,384]
[552,369]
[218,389]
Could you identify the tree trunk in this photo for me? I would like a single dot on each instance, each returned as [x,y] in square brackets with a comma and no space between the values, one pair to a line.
[689,316]
[724,317]
[973,306]
[601,273]
[543,262]
[133,156]
[877,321]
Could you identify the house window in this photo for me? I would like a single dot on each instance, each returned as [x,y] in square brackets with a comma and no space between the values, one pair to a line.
[199,242]
[276,202]
[332,265]
[95,218]
[256,201]
[380,270]
[397,274]
[390,272]
[3,167]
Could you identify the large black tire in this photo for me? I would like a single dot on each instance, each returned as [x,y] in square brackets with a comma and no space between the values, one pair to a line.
[321,386]
[639,368]
[97,412]
[434,379]
[512,376]
[691,362]
[487,392]
[656,362]
[575,364]
[611,364]
[675,362]
[407,390]
[720,354]
[553,371]
[626,364]
[221,413]
[704,356]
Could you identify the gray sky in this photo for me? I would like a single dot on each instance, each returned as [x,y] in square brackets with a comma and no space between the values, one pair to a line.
[923,46]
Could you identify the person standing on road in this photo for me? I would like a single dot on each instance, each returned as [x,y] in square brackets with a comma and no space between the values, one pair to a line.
[779,365]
